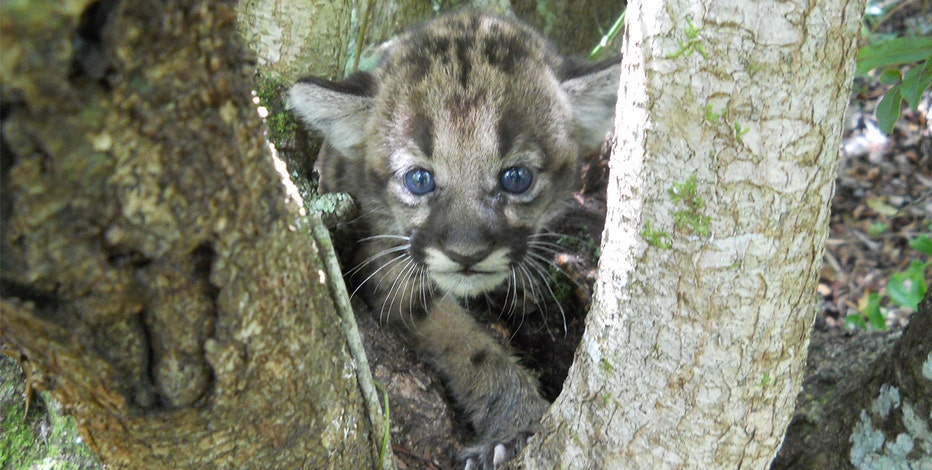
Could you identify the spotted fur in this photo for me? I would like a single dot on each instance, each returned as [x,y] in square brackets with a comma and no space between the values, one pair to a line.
[460,147]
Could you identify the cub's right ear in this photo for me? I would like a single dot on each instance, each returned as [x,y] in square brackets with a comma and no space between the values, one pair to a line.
[338,110]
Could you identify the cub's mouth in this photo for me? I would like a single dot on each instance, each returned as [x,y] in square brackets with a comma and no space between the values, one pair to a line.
[468,282]
[468,279]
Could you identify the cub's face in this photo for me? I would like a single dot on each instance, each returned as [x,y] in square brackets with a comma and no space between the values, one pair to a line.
[462,144]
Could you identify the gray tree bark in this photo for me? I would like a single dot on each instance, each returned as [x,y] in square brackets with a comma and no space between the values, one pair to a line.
[157,276]
[296,38]
[866,401]
[728,128]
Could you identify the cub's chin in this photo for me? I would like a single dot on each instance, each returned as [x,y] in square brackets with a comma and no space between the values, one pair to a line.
[468,283]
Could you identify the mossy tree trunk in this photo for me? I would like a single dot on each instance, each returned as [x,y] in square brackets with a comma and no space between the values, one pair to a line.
[727,135]
[157,277]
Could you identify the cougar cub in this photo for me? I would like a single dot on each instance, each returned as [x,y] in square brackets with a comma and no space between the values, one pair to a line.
[460,147]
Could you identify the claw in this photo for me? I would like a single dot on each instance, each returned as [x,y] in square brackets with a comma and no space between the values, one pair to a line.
[500,456]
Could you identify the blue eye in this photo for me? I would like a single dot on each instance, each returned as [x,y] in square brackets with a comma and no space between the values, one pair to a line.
[516,179]
[419,181]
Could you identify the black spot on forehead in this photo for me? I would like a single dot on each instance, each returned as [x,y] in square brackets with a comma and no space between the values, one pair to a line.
[418,65]
[510,125]
[462,58]
[422,132]
[504,51]
[456,42]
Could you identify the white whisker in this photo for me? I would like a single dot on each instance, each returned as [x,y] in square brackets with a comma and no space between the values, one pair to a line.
[374,257]
[384,266]
[541,273]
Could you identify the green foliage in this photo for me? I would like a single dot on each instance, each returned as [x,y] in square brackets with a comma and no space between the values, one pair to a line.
[607,39]
[711,116]
[897,51]
[45,437]
[906,288]
[656,238]
[766,380]
[559,283]
[877,228]
[581,244]
[922,243]
[17,444]
[693,42]
[271,95]
[384,450]
[875,317]
[740,131]
[691,217]
[890,55]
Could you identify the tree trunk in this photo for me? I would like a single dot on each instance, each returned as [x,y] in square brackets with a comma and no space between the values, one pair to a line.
[156,273]
[865,402]
[728,128]
[297,38]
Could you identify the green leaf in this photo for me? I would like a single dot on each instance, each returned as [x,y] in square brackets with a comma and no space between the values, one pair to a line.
[890,76]
[877,228]
[922,243]
[893,52]
[916,81]
[854,320]
[908,288]
[888,109]
[878,205]
[874,315]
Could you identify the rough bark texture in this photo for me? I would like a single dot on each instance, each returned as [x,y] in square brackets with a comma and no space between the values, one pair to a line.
[155,272]
[866,401]
[297,38]
[696,341]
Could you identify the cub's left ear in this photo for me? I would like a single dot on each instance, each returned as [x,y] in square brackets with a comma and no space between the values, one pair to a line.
[593,91]
[340,111]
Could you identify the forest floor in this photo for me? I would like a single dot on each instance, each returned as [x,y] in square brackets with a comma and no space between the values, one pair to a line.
[883,199]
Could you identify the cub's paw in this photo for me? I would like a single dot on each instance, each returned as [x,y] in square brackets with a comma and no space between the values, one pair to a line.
[493,454]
